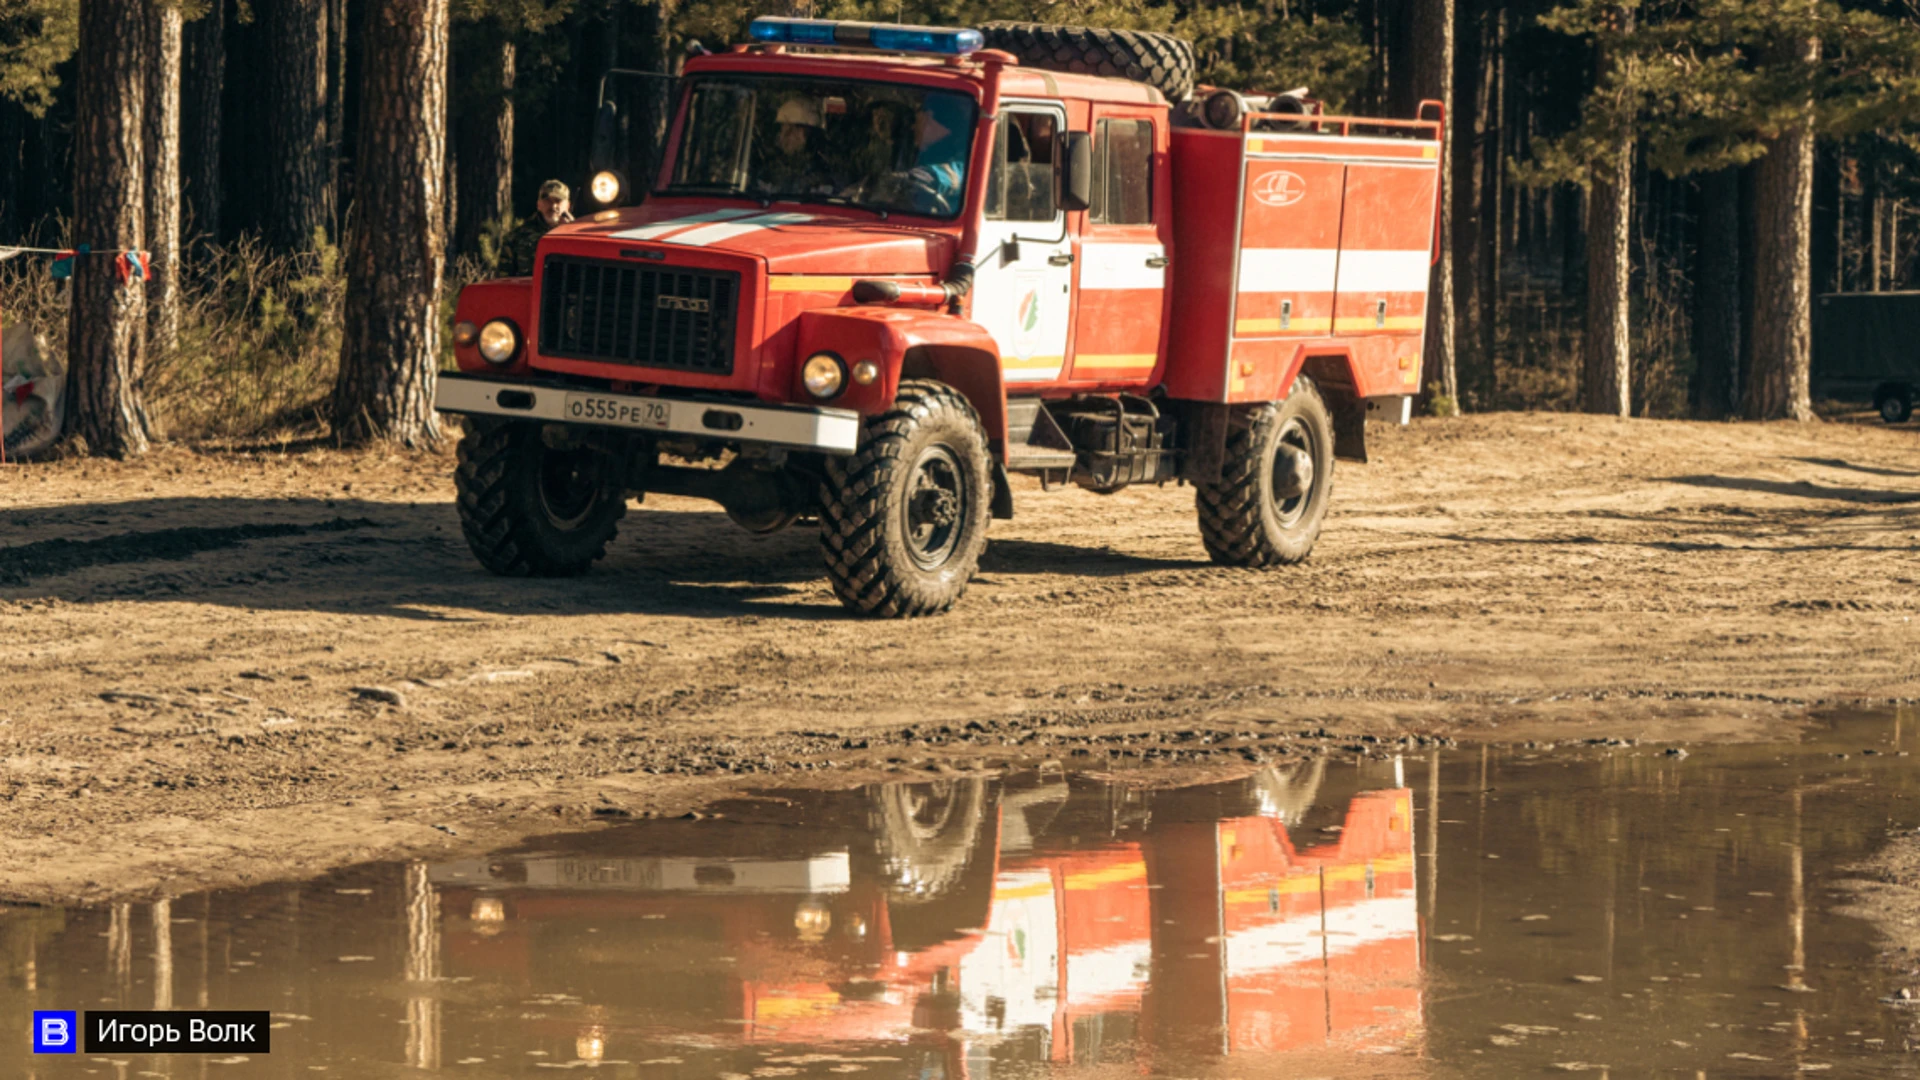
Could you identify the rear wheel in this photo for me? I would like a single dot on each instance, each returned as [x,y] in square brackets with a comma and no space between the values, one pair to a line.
[530,510]
[904,519]
[1267,508]
[1894,403]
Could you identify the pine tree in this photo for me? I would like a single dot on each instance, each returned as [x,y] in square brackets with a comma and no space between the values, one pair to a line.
[36,37]
[1724,83]
[106,335]
[162,153]
[396,235]
[300,197]
[203,76]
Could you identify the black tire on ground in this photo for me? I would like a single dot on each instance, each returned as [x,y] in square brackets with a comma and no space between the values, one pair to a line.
[1894,403]
[1273,491]
[1162,61]
[904,519]
[529,510]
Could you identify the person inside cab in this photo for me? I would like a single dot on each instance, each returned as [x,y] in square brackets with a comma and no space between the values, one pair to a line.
[793,166]
[933,184]
[555,207]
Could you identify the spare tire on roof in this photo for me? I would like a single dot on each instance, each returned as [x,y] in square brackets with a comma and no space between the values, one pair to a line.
[1162,61]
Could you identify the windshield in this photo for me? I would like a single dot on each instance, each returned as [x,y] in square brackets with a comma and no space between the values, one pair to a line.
[880,146]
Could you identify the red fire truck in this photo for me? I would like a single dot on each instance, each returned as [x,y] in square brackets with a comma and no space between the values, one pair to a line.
[882,268]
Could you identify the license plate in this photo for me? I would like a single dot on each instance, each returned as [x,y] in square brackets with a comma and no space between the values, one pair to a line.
[618,412]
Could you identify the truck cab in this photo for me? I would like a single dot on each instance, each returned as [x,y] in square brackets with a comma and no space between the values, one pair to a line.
[882,268]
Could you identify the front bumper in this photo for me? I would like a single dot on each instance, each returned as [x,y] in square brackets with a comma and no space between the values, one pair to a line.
[835,431]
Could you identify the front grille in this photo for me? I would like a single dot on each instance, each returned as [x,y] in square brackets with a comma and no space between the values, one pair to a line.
[659,316]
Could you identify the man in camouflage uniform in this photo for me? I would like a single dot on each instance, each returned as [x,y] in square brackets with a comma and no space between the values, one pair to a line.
[517,250]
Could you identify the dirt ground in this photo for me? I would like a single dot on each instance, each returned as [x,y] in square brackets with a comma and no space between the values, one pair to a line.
[235,666]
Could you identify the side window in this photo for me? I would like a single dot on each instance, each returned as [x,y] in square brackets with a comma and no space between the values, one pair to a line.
[1122,173]
[1021,187]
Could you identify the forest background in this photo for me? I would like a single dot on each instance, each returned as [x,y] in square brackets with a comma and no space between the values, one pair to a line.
[1644,198]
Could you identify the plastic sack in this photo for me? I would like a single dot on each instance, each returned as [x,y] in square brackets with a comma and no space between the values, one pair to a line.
[32,392]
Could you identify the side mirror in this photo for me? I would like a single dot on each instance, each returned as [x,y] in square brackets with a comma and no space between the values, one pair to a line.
[606,129]
[1076,172]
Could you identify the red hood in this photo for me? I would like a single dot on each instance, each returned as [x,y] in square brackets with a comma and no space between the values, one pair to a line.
[793,238]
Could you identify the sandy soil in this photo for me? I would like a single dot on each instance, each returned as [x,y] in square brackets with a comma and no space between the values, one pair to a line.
[237,665]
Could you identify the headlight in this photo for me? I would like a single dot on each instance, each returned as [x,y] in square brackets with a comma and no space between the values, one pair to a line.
[866,372]
[465,333]
[824,375]
[488,909]
[607,187]
[499,340]
[812,920]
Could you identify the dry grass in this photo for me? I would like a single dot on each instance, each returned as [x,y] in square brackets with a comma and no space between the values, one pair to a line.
[259,340]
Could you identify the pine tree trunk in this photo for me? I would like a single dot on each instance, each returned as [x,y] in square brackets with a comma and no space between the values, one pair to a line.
[162,151]
[107,327]
[1877,229]
[336,113]
[656,54]
[1429,76]
[12,145]
[1470,132]
[299,204]
[1779,385]
[1608,350]
[484,136]
[1493,191]
[396,243]
[203,72]
[1716,296]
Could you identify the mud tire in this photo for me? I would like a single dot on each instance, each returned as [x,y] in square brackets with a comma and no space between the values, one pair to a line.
[1162,61]
[1241,522]
[512,510]
[874,562]
[1894,404]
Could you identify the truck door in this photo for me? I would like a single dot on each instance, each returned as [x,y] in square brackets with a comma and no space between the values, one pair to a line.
[1022,288]
[1120,315]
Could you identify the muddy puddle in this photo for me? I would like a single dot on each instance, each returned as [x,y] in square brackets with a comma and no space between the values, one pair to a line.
[1494,912]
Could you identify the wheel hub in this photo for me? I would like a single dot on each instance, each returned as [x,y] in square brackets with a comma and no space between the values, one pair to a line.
[935,507]
[1292,473]
[569,486]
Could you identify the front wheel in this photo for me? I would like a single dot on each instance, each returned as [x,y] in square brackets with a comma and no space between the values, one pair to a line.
[530,510]
[904,519]
[1267,508]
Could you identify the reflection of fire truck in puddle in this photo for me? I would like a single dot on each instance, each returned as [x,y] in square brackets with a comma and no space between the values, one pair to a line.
[1033,922]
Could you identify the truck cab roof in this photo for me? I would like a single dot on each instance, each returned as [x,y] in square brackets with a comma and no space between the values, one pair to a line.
[969,73]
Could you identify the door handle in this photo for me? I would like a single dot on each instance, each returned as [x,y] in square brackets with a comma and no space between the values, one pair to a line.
[1157,261]
[1060,260]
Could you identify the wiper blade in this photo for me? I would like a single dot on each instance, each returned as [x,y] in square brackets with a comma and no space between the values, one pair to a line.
[703,189]
[834,200]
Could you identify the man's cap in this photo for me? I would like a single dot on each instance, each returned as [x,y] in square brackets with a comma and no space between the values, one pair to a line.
[554,189]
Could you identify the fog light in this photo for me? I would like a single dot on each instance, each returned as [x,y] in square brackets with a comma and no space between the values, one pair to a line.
[866,372]
[607,187]
[824,375]
[465,333]
[499,341]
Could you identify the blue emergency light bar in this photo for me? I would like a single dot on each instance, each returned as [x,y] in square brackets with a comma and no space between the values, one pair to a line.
[865,35]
